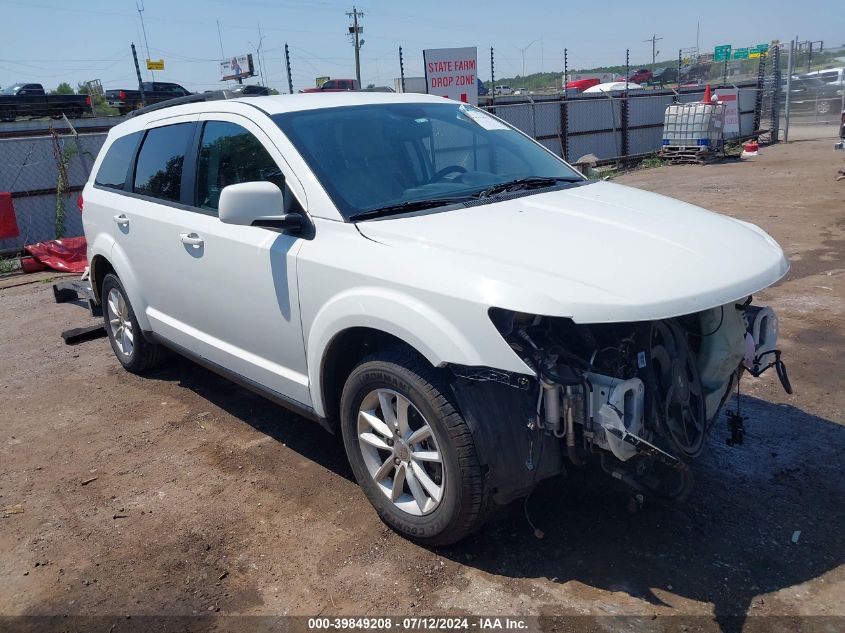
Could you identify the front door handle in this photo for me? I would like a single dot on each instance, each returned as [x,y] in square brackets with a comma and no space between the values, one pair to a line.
[121,220]
[191,239]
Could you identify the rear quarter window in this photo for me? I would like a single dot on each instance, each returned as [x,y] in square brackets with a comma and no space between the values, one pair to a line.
[115,166]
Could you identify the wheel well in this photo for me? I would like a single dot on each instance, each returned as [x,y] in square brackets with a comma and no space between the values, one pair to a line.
[100,267]
[344,352]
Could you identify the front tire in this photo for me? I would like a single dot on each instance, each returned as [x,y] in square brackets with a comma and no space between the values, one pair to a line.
[131,348]
[411,450]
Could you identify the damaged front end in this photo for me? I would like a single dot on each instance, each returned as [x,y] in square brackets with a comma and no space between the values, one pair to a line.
[640,397]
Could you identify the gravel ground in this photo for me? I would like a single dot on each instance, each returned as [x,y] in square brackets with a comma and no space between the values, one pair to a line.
[181,494]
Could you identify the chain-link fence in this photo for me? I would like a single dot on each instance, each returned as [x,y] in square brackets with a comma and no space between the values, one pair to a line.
[615,125]
[44,207]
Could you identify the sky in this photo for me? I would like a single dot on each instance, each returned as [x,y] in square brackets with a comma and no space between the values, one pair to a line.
[51,41]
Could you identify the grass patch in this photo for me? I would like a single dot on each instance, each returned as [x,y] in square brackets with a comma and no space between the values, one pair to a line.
[9,265]
[651,162]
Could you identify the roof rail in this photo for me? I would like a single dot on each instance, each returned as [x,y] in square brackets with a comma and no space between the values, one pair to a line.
[213,95]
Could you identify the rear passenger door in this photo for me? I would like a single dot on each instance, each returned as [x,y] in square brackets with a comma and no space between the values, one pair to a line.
[229,293]
[152,201]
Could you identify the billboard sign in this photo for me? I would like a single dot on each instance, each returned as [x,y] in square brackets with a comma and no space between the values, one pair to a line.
[452,73]
[237,67]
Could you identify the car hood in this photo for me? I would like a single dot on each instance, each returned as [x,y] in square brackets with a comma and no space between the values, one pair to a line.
[599,252]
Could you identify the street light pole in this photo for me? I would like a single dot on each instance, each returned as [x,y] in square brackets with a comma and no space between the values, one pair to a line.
[522,50]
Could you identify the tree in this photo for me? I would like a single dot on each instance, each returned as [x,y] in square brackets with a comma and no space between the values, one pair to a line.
[63,89]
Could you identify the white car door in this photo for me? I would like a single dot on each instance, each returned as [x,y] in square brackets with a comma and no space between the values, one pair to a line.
[229,293]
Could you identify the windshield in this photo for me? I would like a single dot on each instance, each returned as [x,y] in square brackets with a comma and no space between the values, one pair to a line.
[10,90]
[377,156]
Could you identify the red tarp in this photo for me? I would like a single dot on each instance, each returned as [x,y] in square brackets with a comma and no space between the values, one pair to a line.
[8,223]
[67,254]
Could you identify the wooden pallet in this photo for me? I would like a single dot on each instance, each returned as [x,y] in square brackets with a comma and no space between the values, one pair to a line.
[688,155]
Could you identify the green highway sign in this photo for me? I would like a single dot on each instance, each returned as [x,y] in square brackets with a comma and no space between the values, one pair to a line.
[762,48]
[741,53]
[722,53]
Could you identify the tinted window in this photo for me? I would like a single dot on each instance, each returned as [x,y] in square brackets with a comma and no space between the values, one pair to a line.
[229,154]
[115,165]
[159,169]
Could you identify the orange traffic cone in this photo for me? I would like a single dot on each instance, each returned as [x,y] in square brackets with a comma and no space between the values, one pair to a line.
[708,98]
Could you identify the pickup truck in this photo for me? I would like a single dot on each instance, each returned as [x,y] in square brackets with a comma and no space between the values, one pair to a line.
[335,85]
[154,92]
[23,99]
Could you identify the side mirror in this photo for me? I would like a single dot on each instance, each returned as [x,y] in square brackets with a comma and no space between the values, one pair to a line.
[258,204]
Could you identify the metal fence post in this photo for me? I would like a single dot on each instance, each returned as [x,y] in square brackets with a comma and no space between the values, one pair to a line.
[789,68]
[624,110]
[401,70]
[564,110]
[761,80]
[776,82]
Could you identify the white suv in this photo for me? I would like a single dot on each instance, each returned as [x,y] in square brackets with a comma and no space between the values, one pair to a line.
[468,311]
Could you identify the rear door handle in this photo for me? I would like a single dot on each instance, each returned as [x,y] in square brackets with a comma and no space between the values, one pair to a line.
[121,219]
[191,238]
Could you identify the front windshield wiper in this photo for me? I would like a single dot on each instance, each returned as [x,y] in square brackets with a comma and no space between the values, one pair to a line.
[532,182]
[408,205]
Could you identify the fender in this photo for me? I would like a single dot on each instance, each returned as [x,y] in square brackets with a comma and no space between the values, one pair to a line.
[418,324]
[105,246]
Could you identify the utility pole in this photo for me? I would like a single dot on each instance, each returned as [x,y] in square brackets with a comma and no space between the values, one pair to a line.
[220,39]
[653,39]
[140,7]
[355,31]
[287,65]
[138,72]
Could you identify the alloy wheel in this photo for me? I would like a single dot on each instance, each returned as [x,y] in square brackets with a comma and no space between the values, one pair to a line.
[400,452]
[120,322]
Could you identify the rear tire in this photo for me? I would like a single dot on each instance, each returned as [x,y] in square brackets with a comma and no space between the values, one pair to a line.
[131,348]
[417,464]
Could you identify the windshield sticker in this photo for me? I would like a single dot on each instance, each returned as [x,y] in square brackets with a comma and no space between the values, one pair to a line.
[483,119]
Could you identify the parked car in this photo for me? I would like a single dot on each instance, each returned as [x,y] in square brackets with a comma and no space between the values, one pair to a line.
[483,91]
[582,84]
[126,100]
[835,76]
[503,90]
[466,310]
[639,76]
[252,90]
[335,85]
[695,74]
[663,76]
[812,95]
[23,99]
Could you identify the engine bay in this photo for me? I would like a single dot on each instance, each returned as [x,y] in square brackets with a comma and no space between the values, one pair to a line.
[642,397]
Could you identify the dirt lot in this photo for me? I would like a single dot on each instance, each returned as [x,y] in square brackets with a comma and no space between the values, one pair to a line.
[203,498]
